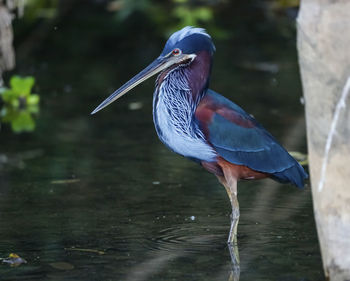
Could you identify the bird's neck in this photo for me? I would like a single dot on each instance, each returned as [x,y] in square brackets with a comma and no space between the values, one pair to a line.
[198,73]
[192,78]
[175,101]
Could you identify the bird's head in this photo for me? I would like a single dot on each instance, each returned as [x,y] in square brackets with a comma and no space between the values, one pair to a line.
[181,48]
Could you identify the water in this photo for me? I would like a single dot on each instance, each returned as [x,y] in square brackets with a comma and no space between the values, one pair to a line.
[100,198]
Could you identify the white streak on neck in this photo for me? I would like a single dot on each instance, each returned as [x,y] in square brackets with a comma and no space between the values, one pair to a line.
[174,110]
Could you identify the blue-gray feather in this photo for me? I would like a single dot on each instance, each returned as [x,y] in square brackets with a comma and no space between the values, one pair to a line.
[253,147]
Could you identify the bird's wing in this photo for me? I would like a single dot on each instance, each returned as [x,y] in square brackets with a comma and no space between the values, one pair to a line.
[240,139]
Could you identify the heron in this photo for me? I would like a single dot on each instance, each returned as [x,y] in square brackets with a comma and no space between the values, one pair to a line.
[204,126]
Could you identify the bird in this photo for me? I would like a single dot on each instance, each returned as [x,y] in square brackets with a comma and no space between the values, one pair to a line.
[204,126]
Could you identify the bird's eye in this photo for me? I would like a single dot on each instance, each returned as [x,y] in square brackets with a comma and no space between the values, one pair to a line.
[176,52]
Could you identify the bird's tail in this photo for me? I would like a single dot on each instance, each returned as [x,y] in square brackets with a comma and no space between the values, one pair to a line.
[295,175]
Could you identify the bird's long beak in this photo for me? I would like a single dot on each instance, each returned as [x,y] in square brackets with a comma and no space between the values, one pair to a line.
[155,67]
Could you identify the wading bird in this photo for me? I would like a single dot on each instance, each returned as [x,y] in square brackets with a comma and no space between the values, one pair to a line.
[204,126]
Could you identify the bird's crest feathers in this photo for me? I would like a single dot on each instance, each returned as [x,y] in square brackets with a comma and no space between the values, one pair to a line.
[190,40]
[185,32]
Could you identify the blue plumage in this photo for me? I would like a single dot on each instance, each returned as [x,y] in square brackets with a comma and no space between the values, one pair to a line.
[250,145]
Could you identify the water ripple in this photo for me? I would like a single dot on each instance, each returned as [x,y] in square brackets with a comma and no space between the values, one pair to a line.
[188,237]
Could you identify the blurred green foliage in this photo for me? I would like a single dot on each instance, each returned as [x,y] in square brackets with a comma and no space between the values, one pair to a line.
[191,15]
[125,8]
[40,9]
[19,104]
[283,4]
[171,16]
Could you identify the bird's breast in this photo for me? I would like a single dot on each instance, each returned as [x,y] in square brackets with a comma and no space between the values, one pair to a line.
[173,116]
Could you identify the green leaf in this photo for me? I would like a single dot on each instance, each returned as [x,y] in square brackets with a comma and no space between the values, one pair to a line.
[8,114]
[22,86]
[34,108]
[15,103]
[23,122]
[8,95]
[19,104]
[33,99]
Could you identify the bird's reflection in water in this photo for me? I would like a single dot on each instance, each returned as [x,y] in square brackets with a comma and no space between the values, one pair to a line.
[235,271]
[168,252]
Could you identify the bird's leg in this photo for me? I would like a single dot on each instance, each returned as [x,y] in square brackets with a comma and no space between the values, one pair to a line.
[232,239]
[230,184]
[235,271]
